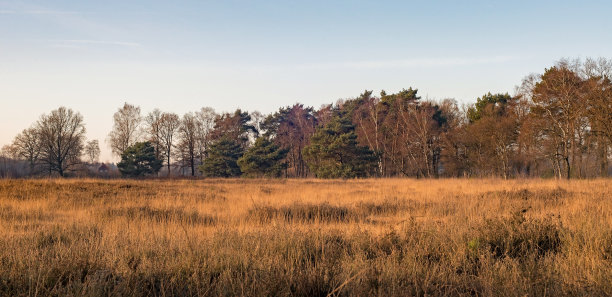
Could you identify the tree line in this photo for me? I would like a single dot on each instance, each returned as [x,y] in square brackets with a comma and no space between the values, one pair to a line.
[557,124]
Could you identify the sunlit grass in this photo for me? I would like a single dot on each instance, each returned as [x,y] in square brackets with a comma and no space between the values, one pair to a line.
[387,237]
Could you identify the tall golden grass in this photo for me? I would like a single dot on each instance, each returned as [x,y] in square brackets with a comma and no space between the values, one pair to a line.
[374,237]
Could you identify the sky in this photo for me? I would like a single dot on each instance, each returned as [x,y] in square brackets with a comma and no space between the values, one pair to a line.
[180,56]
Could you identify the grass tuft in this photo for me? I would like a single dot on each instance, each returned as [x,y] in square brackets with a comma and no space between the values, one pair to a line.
[156,215]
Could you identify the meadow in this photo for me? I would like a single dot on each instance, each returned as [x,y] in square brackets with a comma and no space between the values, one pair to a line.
[250,237]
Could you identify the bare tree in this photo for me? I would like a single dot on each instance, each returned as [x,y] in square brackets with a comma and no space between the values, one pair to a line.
[169,124]
[5,161]
[153,131]
[421,121]
[27,146]
[206,117]
[291,128]
[599,111]
[399,148]
[188,133]
[126,129]
[92,151]
[367,118]
[62,134]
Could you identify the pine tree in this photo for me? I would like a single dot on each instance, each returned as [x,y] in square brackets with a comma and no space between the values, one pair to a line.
[139,160]
[263,159]
[489,104]
[334,152]
[222,159]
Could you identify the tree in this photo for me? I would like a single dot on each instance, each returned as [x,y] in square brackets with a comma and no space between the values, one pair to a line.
[153,130]
[599,108]
[334,153]
[368,118]
[126,128]
[188,139]
[558,102]
[454,152]
[222,159]
[412,130]
[62,134]
[92,151]
[206,117]
[291,128]
[6,162]
[491,141]
[236,126]
[491,134]
[530,154]
[27,146]
[397,153]
[263,159]
[169,124]
[139,160]
[495,103]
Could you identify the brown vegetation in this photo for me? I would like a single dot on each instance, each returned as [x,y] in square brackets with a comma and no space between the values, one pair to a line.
[390,237]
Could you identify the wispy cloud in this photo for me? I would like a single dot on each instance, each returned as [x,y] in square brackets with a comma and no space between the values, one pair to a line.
[411,63]
[50,12]
[39,12]
[75,43]
[64,46]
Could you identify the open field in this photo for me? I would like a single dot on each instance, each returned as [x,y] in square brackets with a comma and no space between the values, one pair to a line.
[391,237]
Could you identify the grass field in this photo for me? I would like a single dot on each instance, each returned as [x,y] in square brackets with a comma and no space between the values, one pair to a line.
[390,237]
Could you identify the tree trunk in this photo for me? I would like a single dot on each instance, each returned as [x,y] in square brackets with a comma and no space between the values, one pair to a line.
[557,165]
[168,165]
[603,155]
[567,163]
[192,163]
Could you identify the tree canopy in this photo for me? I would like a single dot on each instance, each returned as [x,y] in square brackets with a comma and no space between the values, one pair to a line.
[139,160]
[263,159]
[62,136]
[222,159]
[488,103]
[334,152]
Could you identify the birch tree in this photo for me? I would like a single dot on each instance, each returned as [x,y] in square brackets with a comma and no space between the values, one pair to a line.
[126,128]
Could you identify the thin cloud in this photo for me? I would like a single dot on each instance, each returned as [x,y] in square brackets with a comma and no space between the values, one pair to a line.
[411,63]
[39,12]
[75,42]
[67,46]
[50,12]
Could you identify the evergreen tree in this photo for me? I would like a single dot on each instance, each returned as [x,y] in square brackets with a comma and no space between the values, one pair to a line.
[334,152]
[222,159]
[236,126]
[264,158]
[139,160]
[496,103]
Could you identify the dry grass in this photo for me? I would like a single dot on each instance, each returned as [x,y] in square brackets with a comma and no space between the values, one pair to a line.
[391,237]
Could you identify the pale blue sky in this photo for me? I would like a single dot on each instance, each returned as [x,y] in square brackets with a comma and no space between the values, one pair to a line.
[180,56]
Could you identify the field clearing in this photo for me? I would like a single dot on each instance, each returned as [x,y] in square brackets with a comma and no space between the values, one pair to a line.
[381,237]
